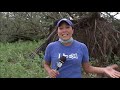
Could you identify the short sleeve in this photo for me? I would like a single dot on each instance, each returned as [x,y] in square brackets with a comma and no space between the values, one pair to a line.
[85,54]
[47,55]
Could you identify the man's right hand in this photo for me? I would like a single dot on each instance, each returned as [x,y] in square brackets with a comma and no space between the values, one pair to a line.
[53,73]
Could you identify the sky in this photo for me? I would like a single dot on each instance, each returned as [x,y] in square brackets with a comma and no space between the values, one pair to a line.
[117,16]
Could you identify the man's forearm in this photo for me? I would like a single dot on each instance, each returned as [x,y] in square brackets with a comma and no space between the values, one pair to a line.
[47,66]
[95,70]
[92,69]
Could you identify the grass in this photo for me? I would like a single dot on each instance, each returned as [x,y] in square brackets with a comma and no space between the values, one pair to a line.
[15,61]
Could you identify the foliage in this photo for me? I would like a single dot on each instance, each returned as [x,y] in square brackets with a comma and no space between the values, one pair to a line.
[15,63]
[34,25]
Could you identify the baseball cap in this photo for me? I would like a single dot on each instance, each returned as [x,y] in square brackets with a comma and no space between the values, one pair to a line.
[65,20]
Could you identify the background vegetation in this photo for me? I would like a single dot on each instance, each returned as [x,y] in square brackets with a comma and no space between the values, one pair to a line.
[22,32]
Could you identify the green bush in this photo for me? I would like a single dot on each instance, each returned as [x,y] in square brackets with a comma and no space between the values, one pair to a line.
[15,61]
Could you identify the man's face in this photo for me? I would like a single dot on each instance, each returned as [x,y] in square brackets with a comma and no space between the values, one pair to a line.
[65,31]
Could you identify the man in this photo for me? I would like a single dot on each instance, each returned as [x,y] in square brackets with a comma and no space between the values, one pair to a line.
[76,53]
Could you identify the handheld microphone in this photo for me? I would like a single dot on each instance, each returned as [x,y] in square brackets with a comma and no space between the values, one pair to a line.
[61,61]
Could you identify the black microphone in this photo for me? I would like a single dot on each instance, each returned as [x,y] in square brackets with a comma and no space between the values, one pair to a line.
[61,61]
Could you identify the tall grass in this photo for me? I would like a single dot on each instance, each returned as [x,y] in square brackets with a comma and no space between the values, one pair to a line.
[15,61]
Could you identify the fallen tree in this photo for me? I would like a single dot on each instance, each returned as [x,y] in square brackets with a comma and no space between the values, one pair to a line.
[100,36]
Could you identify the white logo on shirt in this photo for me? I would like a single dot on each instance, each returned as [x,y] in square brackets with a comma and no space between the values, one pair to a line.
[72,55]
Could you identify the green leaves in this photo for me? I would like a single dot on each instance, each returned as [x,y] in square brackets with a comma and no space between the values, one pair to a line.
[15,63]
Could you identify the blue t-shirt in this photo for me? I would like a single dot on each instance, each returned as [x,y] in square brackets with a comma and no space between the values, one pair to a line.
[75,54]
